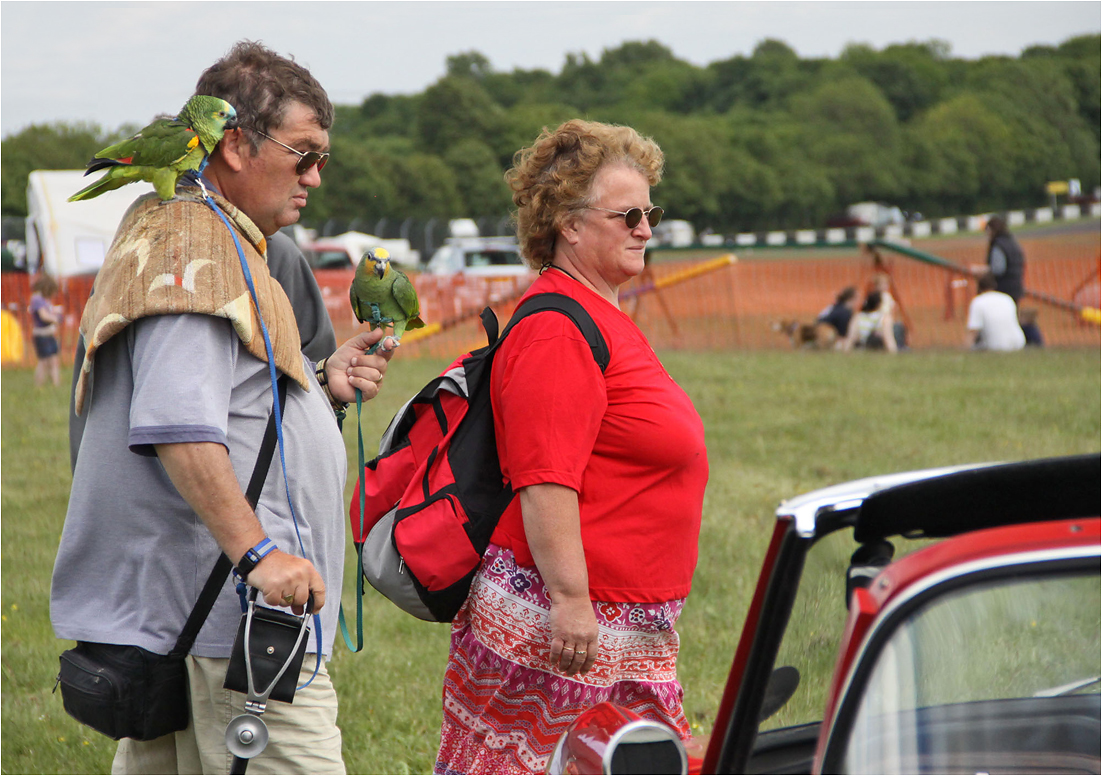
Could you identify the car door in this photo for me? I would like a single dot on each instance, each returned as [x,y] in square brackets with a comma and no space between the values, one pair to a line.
[979,655]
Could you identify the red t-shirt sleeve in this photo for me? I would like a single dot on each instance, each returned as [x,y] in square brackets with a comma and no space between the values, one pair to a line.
[549,398]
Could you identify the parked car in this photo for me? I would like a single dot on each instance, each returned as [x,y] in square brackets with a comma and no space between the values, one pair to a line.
[344,251]
[976,653]
[478,256]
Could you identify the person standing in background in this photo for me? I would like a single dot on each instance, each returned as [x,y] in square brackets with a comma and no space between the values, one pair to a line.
[1005,259]
[45,316]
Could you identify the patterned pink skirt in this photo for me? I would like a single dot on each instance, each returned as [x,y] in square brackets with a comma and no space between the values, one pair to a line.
[505,706]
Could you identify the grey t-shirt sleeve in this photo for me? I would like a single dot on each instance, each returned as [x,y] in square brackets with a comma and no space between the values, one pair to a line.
[183,375]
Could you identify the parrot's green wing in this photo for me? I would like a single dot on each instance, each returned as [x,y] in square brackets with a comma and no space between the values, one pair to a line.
[164,143]
[406,296]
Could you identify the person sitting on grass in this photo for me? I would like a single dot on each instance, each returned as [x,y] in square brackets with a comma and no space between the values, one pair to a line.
[872,327]
[993,318]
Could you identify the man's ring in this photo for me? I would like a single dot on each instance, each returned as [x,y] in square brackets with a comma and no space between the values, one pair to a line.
[287,599]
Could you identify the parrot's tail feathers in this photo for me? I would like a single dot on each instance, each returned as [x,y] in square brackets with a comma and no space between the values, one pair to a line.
[99,187]
[101,164]
[415,323]
[108,182]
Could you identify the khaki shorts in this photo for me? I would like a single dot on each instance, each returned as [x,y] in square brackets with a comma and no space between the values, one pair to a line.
[303,736]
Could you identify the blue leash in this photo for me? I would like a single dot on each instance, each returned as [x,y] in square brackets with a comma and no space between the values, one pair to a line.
[275,398]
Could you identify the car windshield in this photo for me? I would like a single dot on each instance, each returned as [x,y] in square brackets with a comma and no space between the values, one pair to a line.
[331,259]
[998,677]
[492,258]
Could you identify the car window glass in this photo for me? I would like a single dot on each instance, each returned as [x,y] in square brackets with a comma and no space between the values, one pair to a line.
[995,672]
[331,259]
[492,258]
[815,629]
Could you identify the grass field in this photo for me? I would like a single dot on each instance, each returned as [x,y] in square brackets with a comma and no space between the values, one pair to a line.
[777,424]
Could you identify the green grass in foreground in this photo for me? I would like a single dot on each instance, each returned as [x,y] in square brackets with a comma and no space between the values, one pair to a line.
[777,424]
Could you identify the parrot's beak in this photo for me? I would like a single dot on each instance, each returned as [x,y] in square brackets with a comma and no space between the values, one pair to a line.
[232,124]
[380,267]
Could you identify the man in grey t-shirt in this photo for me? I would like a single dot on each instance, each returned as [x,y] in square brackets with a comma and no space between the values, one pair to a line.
[175,414]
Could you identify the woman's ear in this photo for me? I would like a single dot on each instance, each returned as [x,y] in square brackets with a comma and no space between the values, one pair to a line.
[568,228]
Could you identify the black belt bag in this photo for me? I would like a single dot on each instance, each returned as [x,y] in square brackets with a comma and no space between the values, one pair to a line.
[129,692]
[124,692]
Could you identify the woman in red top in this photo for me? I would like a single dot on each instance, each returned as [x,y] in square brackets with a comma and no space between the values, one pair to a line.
[589,567]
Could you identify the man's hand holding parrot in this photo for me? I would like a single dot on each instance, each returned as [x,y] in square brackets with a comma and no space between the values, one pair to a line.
[350,367]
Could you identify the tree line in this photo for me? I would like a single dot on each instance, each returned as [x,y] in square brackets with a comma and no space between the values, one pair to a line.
[765,141]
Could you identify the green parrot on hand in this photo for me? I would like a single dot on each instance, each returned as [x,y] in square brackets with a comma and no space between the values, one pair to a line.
[383,296]
[165,150]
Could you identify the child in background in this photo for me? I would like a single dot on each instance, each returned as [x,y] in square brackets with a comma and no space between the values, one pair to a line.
[45,316]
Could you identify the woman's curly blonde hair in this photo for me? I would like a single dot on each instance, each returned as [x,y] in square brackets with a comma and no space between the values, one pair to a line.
[552,178]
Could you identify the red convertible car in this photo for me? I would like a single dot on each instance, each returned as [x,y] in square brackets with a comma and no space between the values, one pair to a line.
[978,652]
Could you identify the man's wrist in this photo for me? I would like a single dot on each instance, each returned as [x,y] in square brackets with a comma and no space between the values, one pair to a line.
[253,556]
[323,381]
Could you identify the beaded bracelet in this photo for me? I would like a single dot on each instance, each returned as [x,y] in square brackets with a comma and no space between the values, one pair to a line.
[323,380]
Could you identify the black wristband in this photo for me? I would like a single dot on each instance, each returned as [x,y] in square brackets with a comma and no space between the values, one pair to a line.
[253,556]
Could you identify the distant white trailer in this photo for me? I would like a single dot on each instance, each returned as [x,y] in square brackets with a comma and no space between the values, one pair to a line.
[675,233]
[71,238]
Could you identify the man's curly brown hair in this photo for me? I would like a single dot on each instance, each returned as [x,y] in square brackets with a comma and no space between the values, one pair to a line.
[552,179]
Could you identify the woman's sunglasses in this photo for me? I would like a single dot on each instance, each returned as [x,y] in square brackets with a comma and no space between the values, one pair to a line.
[635,215]
[306,159]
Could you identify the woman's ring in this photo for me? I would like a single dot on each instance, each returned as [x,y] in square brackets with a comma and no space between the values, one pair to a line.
[288,599]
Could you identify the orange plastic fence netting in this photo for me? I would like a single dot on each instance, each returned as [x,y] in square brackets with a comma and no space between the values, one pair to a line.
[722,302]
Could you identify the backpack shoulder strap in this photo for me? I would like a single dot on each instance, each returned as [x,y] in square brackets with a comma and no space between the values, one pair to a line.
[573,310]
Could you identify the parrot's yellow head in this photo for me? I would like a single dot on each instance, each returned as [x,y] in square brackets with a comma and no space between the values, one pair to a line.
[378,261]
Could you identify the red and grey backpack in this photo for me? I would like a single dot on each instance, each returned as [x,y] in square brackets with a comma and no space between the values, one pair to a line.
[435,492]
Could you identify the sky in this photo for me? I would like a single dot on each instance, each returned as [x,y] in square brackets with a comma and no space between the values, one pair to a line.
[115,63]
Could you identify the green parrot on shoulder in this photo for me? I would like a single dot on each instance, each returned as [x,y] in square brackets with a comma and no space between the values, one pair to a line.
[383,296]
[165,150]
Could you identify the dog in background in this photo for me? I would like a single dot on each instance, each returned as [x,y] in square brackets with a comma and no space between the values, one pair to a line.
[811,336]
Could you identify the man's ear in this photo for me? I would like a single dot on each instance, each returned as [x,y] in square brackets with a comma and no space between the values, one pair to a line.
[233,148]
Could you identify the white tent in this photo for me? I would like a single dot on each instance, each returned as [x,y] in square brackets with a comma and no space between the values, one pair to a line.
[71,238]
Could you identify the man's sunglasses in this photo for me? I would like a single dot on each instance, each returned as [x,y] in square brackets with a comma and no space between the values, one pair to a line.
[635,215]
[306,160]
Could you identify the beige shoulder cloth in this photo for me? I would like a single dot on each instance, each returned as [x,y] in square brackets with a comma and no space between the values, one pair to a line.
[178,257]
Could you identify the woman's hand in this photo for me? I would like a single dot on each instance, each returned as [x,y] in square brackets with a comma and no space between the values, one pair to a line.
[553,530]
[350,367]
[573,634]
